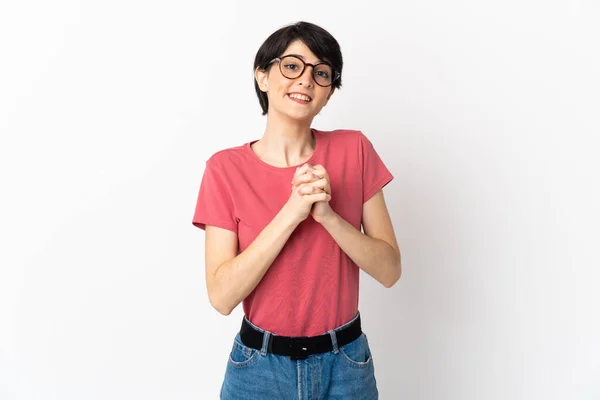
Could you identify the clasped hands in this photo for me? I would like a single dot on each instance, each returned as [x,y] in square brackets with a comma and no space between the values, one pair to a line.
[318,179]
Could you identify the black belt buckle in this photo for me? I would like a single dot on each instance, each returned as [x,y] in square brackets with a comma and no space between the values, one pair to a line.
[299,348]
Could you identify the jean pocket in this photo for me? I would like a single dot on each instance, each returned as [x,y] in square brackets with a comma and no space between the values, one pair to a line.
[241,356]
[357,353]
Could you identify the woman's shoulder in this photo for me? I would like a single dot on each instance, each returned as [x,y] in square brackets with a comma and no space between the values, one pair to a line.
[343,135]
[233,155]
[340,132]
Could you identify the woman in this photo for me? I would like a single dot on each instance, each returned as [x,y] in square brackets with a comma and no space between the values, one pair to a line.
[282,217]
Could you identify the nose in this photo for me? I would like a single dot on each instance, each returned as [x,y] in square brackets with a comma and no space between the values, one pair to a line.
[306,79]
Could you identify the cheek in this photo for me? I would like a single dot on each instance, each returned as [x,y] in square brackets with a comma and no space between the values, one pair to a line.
[322,102]
[279,84]
[323,95]
[277,91]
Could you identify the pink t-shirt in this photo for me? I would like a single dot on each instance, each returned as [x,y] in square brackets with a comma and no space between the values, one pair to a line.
[312,285]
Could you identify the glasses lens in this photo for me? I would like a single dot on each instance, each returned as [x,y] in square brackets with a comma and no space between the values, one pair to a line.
[323,74]
[291,67]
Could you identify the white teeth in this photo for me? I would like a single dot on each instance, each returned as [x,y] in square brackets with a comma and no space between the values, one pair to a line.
[299,96]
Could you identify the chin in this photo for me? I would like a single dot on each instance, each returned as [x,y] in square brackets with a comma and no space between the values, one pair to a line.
[301,118]
[296,115]
[303,114]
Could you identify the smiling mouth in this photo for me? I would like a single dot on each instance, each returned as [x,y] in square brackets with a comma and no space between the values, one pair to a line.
[300,97]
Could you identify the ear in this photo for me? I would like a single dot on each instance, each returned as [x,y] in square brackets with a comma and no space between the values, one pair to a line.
[262,78]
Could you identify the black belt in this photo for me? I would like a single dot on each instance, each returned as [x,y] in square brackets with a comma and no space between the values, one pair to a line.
[299,347]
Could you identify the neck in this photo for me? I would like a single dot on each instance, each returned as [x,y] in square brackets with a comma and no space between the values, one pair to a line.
[285,141]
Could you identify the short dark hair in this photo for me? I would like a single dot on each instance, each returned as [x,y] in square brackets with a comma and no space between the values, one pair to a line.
[317,39]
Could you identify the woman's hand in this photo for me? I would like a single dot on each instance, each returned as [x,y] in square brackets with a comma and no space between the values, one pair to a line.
[317,177]
[304,195]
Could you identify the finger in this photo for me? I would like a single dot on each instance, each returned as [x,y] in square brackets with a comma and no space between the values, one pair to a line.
[319,169]
[318,174]
[321,173]
[322,196]
[321,184]
[325,189]
[308,177]
[311,190]
[304,189]
[298,171]
[303,169]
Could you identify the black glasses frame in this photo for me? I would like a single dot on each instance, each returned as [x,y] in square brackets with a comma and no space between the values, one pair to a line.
[336,74]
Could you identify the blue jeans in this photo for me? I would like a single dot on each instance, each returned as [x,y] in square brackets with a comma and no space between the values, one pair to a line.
[346,372]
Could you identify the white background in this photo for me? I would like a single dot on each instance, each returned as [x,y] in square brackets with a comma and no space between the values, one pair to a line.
[486,112]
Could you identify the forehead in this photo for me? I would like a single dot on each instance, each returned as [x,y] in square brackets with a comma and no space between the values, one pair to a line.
[300,49]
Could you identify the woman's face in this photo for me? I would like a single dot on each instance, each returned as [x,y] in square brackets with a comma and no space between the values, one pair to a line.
[285,95]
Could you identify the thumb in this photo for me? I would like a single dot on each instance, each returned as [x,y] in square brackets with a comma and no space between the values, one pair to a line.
[302,169]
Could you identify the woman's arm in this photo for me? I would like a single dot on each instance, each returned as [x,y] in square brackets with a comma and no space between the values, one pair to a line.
[230,277]
[376,251]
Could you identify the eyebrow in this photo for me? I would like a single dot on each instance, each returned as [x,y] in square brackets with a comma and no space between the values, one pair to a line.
[302,57]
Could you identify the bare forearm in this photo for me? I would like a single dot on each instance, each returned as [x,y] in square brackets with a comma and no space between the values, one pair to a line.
[374,256]
[235,279]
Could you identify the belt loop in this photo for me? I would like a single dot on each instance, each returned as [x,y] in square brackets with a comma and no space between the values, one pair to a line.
[265,343]
[334,341]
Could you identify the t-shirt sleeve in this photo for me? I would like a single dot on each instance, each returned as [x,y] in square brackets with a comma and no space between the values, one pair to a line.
[375,174]
[215,201]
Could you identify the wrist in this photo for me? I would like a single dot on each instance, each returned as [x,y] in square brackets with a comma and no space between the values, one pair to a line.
[329,220]
[288,217]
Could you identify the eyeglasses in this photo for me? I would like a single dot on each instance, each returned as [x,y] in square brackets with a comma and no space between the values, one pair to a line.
[292,67]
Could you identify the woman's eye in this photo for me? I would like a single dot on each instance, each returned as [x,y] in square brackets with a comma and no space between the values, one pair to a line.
[291,66]
[324,74]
